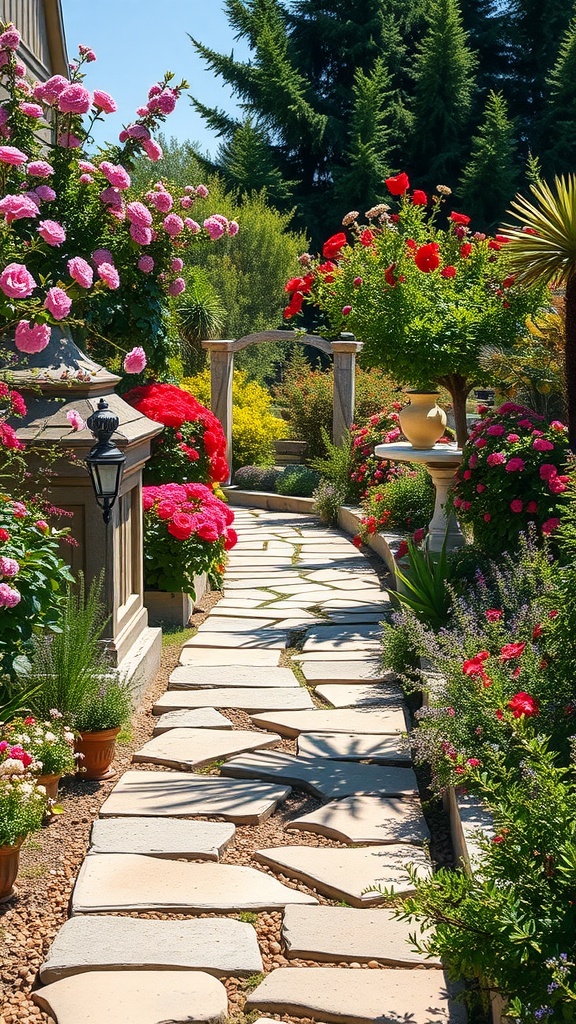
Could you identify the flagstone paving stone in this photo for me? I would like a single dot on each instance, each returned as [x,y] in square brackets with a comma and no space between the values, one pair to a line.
[342,672]
[367,819]
[341,746]
[292,723]
[207,656]
[178,794]
[191,677]
[162,837]
[238,641]
[338,638]
[191,719]
[369,656]
[358,997]
[321,776]
[361,695]
[347,873]
[267,698]
[233,624]
[135,997]
[219,946]
[125,882]
[193,748]
[221,611]
[334,934]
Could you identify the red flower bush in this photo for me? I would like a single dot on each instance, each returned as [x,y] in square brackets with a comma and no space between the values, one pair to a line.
[192,448]
[187,529]
[367,470]
[512,474]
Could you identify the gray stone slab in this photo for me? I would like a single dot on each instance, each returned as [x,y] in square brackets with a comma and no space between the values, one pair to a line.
[344,996]
[135,997]
[268,698]
[341,746]
[292,723]
[370,654]
[342,672]
[334,934]
[337,638]
[320,776]
[122,882]
[219,946]
[191,719]
[191,677]
[350,873]
[252,612]
[193,748]
[162,837]
[367,819]
[361,695]
[233,624]
[208,656]
[268,640]
[181,795]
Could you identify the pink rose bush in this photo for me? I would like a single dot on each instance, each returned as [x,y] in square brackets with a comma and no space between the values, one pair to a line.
[187,531]
[513,473]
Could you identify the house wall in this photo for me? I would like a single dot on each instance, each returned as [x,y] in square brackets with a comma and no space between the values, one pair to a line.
[40,22]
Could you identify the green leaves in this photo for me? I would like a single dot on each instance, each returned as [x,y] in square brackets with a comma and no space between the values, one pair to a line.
[424,587]
[542,247]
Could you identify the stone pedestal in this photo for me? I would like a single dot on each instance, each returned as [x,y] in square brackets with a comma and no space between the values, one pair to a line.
[345,353]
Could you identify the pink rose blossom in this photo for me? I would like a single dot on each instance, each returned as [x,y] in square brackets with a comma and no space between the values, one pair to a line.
[512,438]
[102,256]
[487,517]
[39,169]
[52,232]
[550,525]
[162,201]
[480,488]
[109,275]
[137,213]
[537,433]
[9,597]
[31,338]
[473,461]
[87,166]
[87,53]
[50,91]
[548,471]
[467,474]
[135,360]
[167,101]
[152,149]
[542,445]
[42,525]
[202,191]
[515,465]
[173,224]
[16,281]
[8,566]
[19,510]
[516,505]
[81,271]
[74,99]
[214,228]
[140,234]
[10,39]
[177,286]
[58,303]
[556,485]
[154,90]
[192,225]
[480,442]
[496,459]
[104,102]
[233,228]
[12,155]
[557,425]
[525,424]
[31,110]
[18,207]
[532,506]
[45,193]
[346,310]
[465,505]
[177,264]
[67,140]
[85,179]
[146,264]
[112,198]
[186,202]
[75,420]
[495,430]
[116,175]
[137,131]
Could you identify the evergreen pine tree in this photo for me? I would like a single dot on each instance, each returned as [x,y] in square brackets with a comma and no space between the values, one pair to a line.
[246,162]
[359,183]
[443,87]
[534,29]
[491,174]
[558,126]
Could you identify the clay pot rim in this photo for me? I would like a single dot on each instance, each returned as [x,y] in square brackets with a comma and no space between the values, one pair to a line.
[100,733]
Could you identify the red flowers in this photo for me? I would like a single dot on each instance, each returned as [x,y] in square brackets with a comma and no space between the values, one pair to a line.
[465,250]
[419,198]
[510,651]
[331,248]
[398,184]
[390,276]
[494,615]
[475,666]
[523,705]
[426,257]
[448,272]
[459,218]
[367,238]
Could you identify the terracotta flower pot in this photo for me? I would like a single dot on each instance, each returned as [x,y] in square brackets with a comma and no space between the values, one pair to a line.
[98,749]
[9,864]
[423,421]
[50,783]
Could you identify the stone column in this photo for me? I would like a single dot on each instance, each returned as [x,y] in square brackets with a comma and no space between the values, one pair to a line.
[221,373]
[344,352]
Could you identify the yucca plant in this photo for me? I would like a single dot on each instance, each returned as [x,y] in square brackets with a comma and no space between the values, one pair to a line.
[424,585]
[199,316]
[542,249]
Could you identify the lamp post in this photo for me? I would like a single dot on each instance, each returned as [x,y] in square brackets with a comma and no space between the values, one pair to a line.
[105,461]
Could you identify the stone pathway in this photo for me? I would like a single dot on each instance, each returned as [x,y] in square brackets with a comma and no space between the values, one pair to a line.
[210,834]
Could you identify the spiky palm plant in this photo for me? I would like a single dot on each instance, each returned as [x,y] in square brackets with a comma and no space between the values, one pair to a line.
[543,249]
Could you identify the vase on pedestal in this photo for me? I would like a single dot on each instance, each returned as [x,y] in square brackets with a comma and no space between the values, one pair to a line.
[423,421]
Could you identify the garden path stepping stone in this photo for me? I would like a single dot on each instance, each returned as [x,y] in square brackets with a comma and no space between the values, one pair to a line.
[337,638]
[332,934]
[226,611]
[191,719]
[345,996]
[341,746]
[207,656]
[361,695]
[344,873]
[189,677]
[245,698]
[122,882]
[162,837]
[291,723]
[193,748]
[371,656]
[229,624]
[135,997]
[271,639]
[181,795]
[219,946]
[367,819]
[342,672]
[320,776]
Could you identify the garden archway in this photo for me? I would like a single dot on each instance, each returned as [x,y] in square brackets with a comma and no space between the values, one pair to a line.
[343,352]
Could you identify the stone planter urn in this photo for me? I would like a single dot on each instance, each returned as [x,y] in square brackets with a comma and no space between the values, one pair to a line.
[174,609]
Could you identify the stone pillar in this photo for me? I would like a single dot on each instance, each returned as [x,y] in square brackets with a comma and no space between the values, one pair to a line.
[344,351]
[221,374]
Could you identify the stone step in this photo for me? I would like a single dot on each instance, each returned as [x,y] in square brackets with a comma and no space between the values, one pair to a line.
[335,934]
[256,657]
[193,748]
[348,873]
[367,819]
[268,639]
[219,946]
[191,719]
[361,695]
[342,672]
[191,677]
[341,746]
[343,996]
[245,698]
[292,723]
[321,776]
[162,837]
[128,883]
[135,997]
[181,795]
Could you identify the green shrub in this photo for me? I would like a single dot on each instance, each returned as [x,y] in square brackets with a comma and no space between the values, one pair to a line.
[257,478]
[298,481]
[406,502]
[337,465]
[327,500]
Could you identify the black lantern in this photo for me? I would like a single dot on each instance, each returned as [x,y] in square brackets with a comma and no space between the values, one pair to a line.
[105,461]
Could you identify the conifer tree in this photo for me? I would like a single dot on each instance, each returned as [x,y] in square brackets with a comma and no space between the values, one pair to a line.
[361,182]
[490,177]
[246,162]
[558,127]
[534,30]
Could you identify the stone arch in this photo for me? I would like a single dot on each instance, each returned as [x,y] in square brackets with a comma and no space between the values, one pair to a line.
[343,352]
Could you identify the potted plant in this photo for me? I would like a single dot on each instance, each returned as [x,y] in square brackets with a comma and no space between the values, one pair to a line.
[51,744]
[106,707]
[425,300]
[22,808]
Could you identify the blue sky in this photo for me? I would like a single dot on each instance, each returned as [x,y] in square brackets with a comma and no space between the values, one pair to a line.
[136,41]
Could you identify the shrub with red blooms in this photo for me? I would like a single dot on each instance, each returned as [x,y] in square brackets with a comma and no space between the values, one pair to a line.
[367,470]
[11,404]
[512,473]
[187,531]
[192,446]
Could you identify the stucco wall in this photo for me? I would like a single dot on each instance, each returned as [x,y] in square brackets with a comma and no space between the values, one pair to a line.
[43,48]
